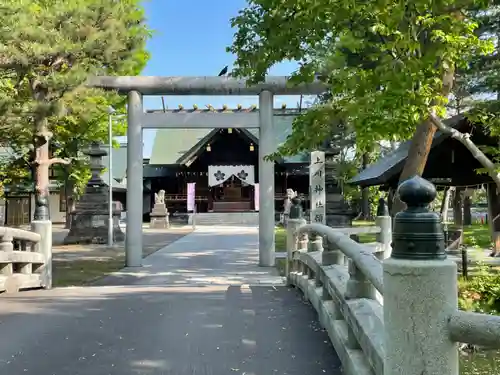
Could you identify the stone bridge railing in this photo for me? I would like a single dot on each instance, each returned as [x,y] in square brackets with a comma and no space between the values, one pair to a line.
[26,257]
[394,316]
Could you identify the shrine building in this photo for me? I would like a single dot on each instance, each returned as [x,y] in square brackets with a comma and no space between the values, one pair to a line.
[449,163]
[223,164]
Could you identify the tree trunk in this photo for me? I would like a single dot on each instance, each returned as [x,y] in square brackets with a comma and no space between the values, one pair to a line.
[422,141]
[390,200]
[467,210]
[41,164]
[417,158]
[458,206]
[365,192]
[494,217]
[69,197]
[445,203]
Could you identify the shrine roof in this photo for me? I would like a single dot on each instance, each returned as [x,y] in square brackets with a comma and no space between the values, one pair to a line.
[117,186]
[119,159]
[386,170]
[171,145]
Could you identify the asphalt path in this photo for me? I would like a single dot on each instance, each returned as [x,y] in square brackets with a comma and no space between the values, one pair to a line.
[192,309]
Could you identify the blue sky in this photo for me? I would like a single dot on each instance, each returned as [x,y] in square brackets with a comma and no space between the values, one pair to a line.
[190,38]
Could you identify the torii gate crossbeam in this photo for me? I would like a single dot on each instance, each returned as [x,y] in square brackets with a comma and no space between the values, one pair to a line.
[136,87]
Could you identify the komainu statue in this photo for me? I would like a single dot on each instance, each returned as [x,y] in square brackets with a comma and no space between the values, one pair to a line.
[290,194]
[160,197]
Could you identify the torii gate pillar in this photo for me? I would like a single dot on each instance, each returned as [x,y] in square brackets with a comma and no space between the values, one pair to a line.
[266,180]
[135,197]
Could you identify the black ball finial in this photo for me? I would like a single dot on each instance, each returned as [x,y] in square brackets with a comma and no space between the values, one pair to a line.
[295,209]
[417,232]
[417,192]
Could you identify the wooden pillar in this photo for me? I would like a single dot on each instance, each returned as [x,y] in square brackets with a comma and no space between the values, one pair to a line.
[390,199]
[251,197]
[210,199]
[494,216]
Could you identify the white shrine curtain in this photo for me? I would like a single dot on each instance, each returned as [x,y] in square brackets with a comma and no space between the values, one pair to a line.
[218,174]
[245,173]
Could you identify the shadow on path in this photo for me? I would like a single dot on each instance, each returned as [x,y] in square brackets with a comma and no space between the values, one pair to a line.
[214,330]
[220,256]
[199,306]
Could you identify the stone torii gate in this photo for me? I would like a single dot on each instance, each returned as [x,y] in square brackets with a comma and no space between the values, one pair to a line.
[136,87]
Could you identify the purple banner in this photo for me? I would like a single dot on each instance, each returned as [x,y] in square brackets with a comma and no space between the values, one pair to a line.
[256,197]
[191,187]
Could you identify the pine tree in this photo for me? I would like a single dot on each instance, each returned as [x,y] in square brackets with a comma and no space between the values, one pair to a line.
[48,49]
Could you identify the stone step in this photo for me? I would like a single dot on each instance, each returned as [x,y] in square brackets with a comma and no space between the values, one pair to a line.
[226,218]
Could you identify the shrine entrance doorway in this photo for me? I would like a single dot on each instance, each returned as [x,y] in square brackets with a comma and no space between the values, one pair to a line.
[232,188]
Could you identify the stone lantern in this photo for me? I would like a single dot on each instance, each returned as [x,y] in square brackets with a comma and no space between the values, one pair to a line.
[89,220]
[338,212]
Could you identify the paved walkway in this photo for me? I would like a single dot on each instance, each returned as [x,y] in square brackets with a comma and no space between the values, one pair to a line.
[210,255]
[189,310]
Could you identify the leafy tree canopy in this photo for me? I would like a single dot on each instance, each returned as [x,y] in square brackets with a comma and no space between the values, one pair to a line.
[387,63]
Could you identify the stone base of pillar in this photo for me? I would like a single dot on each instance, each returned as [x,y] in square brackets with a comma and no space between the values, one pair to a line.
[159,217]
[89,220]
[338,213]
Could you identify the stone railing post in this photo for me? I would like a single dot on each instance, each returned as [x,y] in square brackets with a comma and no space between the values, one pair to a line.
[302,246]
[295,242]
[7,246]
[44,229]
[291,242]
[420,289]
[303,241]
[357,286]
[331,254]
[384,238]
[384,221]
[315,243]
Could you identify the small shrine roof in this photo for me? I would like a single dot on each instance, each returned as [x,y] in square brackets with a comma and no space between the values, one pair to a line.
[442,161]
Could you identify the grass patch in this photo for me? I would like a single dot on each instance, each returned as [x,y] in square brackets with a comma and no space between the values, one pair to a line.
[81,272]
[280,247]
[477,235]
[366,237]
[84,272]
[483,362]
[363,223]
[280,239]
